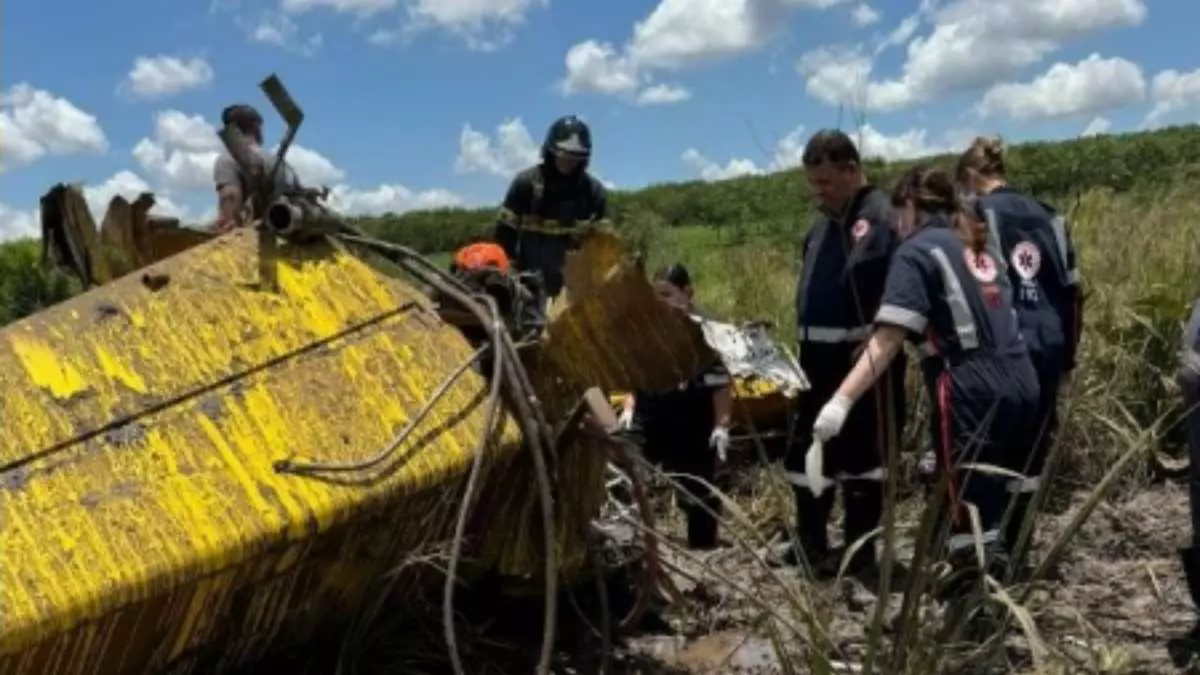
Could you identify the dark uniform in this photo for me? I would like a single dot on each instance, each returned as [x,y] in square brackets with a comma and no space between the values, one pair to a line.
[676,426]
[543,210]
[1031,242]
[845,265]
[982,386]
[1189,382]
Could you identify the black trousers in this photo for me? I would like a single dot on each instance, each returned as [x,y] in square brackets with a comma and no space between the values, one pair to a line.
[676,428]
[854,458]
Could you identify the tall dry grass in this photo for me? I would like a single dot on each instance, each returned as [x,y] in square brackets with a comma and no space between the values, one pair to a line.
[1140,260]
[1139,256]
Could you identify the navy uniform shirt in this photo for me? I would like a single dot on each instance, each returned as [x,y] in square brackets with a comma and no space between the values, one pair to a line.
[959,302]
[540,210]
[839,289]
[1191,340]
[692,395]
[1032,244]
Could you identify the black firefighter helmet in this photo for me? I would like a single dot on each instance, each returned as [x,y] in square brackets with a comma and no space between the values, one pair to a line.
[568,137]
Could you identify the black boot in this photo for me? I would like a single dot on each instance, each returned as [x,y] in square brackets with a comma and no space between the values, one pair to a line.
[864,507]
[1184,649]
[1190,557]
[1019,511]
[812,533]
[702,526]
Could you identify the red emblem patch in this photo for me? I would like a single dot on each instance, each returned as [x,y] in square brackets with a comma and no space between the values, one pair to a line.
[982,266]
[860,229]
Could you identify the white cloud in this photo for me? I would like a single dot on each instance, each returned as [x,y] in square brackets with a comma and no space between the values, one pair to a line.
[128,185]
[707,169]
[789,151]
[1097,126]
[35,123]
[181,154]
[1092,86]
[836,75]
[159,76]
[976,43]
[676,35]
[662,94]
[16,224]
[358,7]
[1171,91]
[280,30]
[864,15]
[484,25]
[512,150]
[387,198]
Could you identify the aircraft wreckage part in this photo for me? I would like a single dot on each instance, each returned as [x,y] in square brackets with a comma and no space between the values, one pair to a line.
[142,520]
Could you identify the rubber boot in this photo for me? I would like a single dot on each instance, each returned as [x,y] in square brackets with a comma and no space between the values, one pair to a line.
[1019,511]
[1190,557]
[864,508]
[701,525]
[812,533]
[1184,649]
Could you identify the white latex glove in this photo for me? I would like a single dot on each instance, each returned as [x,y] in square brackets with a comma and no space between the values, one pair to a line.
[831,418]
[814,469]
[719,441]
[625,419]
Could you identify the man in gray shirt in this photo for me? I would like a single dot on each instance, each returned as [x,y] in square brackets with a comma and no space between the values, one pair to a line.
[230,180]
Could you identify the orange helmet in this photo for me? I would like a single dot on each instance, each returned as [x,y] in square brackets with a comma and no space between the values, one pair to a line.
[480,255]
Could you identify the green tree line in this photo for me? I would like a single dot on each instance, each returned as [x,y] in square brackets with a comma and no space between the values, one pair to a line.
[1057,170]
[772,205]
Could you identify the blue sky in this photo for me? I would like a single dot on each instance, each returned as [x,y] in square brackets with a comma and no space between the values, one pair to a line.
[415,103]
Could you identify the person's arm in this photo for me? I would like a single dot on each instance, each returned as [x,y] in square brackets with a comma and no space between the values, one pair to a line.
[723,406]
[508,220]
[599,202]
[1073,299]
[230,200]
[903,309]
[875,358]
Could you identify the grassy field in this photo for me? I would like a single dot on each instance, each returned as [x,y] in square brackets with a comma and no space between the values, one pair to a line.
[1111,582]
[1116,591]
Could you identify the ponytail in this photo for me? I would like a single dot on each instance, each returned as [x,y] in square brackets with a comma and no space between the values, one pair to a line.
[974,232]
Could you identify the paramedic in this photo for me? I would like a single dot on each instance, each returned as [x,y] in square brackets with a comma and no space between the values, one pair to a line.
[1189,382]
[845,253]
[1029,240]
[945,288]
[687,430]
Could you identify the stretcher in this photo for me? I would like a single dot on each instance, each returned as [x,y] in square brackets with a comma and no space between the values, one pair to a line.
[767,378]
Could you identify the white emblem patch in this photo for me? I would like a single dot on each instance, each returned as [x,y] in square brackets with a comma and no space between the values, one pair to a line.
[981,265]
[1027,260]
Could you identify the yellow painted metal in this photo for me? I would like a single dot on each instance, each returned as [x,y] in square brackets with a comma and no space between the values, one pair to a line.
[141,519]
[142,523]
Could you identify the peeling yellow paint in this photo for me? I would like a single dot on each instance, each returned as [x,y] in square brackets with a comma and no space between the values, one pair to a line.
[46,370]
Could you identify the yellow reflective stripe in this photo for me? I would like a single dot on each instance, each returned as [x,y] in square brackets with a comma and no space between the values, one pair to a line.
[507,216]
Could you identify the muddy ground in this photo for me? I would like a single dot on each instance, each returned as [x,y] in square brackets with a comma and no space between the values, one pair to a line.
[1111,606]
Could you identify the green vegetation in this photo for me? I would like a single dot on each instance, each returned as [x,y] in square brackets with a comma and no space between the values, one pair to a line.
[1136,223]
[779,202]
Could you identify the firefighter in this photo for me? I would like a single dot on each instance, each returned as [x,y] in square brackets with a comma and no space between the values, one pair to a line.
[687,430]
[845,253]
[549,205]
[1189,382]
[944,288]
[1031,242]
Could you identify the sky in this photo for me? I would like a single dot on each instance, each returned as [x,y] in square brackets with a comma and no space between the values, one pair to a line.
[414,104]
